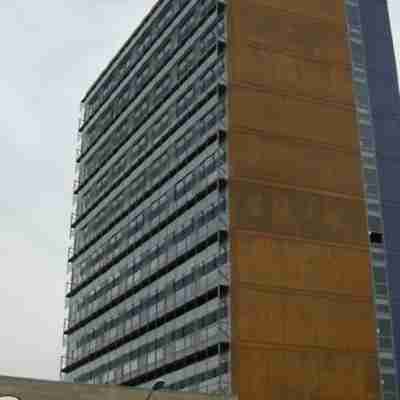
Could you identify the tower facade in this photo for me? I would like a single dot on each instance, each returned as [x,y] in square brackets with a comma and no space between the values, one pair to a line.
[234,226]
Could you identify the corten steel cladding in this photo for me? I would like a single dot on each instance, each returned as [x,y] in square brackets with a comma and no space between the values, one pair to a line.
[302,308]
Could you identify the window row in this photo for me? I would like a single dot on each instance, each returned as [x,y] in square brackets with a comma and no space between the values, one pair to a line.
[144,43]
[135,233]
[101,323]
[118,375]
[133,278]
[138,82]
[182,148]
[213,384]
[174,241]
[143,316]
[196,182]
[219,383]
[146,278]
[199,91]
[179,339]
[137,367]
[154,303]
[163,89]
[143,196]
[147,237]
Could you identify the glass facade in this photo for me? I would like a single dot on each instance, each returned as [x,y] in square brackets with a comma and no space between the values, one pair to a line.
[148,266]
[377,101]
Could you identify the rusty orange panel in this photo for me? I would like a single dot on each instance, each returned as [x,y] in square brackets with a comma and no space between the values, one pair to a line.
[292,117]
[299,246]
[330,323]
[307,375]
[306,215]
[261,317]
[303,164]
[332,10]
[299,34]
[300,265]
[305,320]
[281,72]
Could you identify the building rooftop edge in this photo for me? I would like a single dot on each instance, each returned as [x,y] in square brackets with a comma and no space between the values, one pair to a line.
[135,32]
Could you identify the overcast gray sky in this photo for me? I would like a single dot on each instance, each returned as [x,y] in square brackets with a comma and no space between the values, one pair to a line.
[51,51]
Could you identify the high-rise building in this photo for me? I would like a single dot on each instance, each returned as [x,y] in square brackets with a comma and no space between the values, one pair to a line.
[236,215]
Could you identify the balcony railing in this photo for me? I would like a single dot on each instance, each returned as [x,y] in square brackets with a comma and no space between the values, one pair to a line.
[169,312]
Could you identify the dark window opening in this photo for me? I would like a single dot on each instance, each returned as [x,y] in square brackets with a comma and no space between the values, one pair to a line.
[376,237]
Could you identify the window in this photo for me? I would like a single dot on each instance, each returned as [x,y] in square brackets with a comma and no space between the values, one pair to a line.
[189,96]
[111,375]
[160,354]
[134,365]
[374,223]
[181,105]
[182,67]
[153,311]
[181,246]
[126,368]
[374,208]
[353,16]
[372,191]
[209,120]
[357,54]
[212,331]
[379,275]
[165,119]
[151,357]
[370,176]
[378,257]
[375,237]
[384,327]
[180,344]
[386,363]
[361,90]
[180,296]
[389,384]
[382,308]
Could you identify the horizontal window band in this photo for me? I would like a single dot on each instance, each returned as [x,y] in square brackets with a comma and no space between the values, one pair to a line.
[146,195]
[213,293]
[219,348]
[159,274]
[208,95]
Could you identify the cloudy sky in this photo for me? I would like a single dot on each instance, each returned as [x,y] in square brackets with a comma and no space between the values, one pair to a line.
[51,50]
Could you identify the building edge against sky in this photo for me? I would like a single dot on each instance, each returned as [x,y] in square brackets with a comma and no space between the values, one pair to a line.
[236,204]
[149,278]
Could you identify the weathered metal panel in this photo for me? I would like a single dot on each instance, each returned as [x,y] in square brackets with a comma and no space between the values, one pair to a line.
[302,311]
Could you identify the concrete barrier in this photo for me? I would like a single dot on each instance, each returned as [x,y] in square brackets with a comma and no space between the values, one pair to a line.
[32,389]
